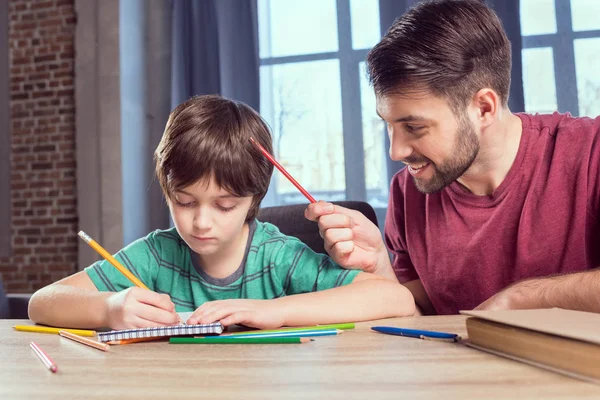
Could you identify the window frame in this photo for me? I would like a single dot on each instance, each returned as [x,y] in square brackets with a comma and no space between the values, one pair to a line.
[349,60]
[562,44]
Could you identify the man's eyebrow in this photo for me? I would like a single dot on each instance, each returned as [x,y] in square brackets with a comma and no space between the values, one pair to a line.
[408,118]
[411,118]
[227,196]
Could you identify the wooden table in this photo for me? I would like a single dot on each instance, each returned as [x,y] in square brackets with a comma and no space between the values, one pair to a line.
[358,364]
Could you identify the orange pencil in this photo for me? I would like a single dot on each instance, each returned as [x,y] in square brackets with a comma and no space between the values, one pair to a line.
[283,171]
[44,358]
[94,245]
[83,340]
[135,340]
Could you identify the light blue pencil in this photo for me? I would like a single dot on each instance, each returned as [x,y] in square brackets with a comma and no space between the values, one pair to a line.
[320,332]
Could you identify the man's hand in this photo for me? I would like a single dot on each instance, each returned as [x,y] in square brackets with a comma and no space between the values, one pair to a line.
[351,239]
[139,308]
[512,298]
[262,314]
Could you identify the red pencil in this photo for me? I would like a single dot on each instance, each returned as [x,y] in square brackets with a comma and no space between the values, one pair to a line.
[283,171]
[48,363]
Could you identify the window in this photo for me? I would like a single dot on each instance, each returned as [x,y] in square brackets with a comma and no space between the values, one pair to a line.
[561,51]
[315,96]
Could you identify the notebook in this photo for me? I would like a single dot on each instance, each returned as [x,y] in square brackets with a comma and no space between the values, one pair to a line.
[215,328]
[563,341]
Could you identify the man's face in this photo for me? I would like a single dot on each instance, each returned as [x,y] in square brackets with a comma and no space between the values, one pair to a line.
[437,146]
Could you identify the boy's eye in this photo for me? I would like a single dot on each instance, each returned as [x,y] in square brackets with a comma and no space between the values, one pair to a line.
[225,209]
[187,205]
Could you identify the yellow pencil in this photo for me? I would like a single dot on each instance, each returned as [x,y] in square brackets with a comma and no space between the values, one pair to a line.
[48,329]
[94,245]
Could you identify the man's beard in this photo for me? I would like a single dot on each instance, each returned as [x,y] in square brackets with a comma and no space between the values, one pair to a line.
[464,153]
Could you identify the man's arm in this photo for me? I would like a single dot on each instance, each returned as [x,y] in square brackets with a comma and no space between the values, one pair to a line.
[422,301]
[577,291]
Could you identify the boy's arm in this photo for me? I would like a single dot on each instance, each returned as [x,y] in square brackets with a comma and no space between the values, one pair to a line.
[75,302]
[71,302]
[368,297]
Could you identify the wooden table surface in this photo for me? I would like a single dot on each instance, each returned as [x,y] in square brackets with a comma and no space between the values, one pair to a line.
[359,364]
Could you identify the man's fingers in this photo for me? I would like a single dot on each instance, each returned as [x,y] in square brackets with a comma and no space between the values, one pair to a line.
[315,210]
[335,221]
[333,236]
[340,249]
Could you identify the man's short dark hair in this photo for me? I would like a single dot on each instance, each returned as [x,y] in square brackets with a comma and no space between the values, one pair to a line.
[451,48]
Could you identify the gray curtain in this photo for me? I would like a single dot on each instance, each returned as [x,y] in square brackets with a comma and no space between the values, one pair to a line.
[215,50]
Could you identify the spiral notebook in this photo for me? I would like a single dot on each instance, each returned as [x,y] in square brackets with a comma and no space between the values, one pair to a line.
[215,328]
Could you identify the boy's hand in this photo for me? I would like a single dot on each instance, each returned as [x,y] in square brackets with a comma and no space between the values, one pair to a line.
[262,314]
[351,239]
[139,308]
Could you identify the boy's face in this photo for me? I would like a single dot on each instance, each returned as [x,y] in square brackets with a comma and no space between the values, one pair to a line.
[209,218]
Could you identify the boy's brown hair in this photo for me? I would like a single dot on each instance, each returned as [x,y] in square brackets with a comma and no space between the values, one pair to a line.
[209,136]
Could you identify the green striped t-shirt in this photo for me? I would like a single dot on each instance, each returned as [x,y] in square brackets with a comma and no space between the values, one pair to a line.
[274,265]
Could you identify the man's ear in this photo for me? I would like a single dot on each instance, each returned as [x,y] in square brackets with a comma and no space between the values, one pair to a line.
[488,105]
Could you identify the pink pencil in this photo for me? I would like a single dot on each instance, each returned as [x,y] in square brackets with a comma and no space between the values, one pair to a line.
[51,365]
[283,171]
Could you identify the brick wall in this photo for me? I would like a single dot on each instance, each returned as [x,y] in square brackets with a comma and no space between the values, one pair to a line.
[42,106]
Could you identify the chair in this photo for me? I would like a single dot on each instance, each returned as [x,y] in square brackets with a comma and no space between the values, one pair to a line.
[290,221]
[13,306]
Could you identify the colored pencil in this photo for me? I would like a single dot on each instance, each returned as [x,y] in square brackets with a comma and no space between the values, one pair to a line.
[48,329]
[238,340]
[94,245]
[318,332]
[135,340]
[83,340]
[345,326]
[283,171]
[44,358]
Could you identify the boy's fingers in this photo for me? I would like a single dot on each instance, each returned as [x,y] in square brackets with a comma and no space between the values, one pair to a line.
[149,297]
[157,316]
[238,318]
[218,314]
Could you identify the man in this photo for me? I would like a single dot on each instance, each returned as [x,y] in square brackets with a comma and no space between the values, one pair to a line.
[494,210]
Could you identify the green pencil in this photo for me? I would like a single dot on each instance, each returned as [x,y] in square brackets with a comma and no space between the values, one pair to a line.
[348,325]
[238,340]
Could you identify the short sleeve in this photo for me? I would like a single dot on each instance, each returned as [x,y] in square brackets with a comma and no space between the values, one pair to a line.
[395,235]
[594,171]
[140,258]
[301,270]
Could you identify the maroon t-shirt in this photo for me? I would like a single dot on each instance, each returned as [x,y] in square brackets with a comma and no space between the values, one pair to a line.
[542,220]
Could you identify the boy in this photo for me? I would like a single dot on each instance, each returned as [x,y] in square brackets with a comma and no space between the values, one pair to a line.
[218,261]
